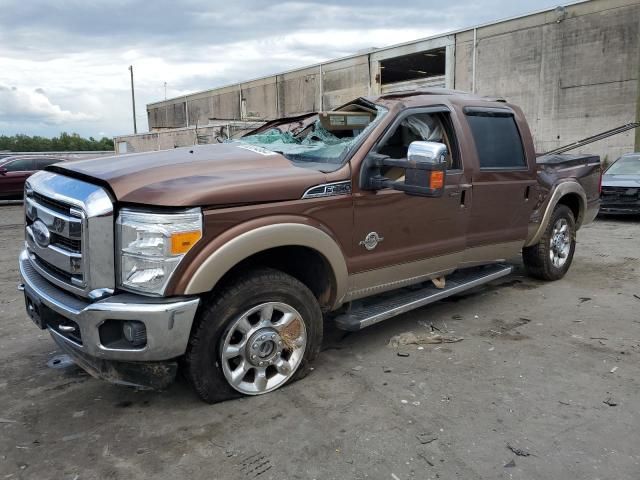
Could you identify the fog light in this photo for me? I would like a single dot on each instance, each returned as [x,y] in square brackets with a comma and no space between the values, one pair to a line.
[135,332]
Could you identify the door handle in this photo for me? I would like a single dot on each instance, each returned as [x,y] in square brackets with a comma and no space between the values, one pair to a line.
[455,194]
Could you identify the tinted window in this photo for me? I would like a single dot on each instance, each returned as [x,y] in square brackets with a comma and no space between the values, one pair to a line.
[19,165]
[45,162]
[497,140]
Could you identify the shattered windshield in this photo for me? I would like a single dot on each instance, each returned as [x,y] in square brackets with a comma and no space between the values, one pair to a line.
[316,143]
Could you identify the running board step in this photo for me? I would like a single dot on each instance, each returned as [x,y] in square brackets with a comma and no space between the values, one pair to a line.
[372,310]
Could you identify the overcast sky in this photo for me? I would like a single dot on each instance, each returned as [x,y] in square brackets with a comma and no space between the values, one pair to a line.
[63,64]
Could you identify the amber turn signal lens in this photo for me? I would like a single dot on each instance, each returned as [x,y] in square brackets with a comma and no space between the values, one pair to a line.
[436,181]
[183,241]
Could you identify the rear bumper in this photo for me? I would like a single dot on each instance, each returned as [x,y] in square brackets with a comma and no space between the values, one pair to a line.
[167,320]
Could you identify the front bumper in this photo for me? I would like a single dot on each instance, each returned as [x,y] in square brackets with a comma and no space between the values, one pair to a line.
[617,209]
[167,320]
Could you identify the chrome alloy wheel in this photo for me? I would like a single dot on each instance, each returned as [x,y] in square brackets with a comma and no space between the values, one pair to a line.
[263,348]
[560,243]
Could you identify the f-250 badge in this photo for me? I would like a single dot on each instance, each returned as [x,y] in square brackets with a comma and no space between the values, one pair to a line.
[371,240]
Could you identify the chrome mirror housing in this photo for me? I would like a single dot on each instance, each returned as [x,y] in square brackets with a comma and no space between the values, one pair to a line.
[427,152]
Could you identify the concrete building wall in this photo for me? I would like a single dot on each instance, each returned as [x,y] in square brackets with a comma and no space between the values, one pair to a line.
[574,72]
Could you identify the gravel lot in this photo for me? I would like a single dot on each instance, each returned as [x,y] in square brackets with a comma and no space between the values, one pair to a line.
[548,369]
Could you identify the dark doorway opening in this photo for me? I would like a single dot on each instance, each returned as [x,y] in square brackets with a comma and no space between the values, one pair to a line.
[414,66]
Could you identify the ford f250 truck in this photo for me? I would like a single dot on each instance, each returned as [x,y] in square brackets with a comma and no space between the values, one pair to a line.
[223,260]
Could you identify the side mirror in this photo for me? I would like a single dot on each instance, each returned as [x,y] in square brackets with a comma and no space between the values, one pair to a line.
[3,171]
[425,169]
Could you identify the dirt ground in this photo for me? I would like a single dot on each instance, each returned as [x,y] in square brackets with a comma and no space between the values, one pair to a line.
[545,385]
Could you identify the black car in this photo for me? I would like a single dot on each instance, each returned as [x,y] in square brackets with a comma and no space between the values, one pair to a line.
[621,186]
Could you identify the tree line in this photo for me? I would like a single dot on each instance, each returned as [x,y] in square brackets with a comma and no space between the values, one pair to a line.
[64,142]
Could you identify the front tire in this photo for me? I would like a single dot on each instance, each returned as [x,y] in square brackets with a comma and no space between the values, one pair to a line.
[257,334]
[551,257]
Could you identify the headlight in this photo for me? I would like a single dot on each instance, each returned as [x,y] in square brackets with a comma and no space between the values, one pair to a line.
[151,246]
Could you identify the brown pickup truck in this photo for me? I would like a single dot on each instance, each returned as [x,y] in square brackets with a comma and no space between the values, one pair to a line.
[224,260]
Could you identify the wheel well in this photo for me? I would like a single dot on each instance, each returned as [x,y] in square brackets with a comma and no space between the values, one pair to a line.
[573,201]
[303,263]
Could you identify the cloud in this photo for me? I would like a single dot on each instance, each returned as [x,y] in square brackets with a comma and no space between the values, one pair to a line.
[22,105]
[68,59]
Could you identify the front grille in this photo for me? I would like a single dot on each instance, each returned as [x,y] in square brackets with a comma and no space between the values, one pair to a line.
[53,270]
[69,225]
[68,243]
[622,193]
[54,205]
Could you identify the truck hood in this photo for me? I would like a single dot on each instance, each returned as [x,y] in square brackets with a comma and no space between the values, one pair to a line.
[202,175]
[630,181]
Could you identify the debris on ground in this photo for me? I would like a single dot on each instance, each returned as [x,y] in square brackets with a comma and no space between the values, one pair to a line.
[511,464]
[410,338]
[60,361]
[438,282]
[518,451]
[613,370]
[584,299]
[426,437]
[387,369]
[637,296]
[610,401]
[403,354]
[357,369]
[6,420]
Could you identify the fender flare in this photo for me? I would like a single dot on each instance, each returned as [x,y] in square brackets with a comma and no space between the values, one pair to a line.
[223,259]
[562,189]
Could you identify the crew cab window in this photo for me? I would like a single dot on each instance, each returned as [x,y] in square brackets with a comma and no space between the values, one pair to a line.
[20,165]
[497,140]
[428,127]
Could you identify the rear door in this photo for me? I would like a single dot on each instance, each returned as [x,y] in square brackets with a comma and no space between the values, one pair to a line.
[12,182]
[503,185]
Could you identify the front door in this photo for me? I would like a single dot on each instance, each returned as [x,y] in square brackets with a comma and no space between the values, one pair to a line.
[401,239]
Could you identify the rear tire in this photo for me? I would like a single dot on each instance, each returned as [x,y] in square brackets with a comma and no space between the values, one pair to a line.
[257,334]
[551,257]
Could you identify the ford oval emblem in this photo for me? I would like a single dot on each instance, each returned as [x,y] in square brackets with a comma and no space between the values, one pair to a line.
[41,234]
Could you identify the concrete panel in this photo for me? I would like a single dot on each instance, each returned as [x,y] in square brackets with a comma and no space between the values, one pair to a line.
[344,81]
[260,99]
[299,92]
[226,106]
[200,110]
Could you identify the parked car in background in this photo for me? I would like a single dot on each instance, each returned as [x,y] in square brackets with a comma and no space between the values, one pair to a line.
[14,170]
[621,186]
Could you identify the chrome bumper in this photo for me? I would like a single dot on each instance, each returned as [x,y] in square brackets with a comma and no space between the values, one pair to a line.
[167,320]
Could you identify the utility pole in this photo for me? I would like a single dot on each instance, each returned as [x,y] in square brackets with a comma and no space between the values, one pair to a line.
[133,101]
[165,90]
